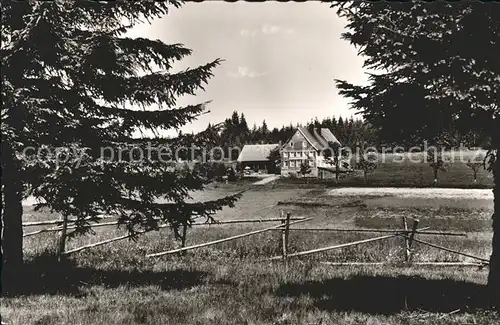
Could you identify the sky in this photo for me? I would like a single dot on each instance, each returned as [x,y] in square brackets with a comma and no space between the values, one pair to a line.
[280,59]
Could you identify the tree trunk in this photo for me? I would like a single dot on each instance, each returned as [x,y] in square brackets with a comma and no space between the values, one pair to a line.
[12,227]
[494,275]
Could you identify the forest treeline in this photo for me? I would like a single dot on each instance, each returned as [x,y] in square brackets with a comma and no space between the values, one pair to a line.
[351,132]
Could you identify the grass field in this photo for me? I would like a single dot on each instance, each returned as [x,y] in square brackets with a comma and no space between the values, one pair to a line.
[403,170]
[232,283]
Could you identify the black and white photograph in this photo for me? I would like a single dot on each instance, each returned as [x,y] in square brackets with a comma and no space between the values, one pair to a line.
[250,162]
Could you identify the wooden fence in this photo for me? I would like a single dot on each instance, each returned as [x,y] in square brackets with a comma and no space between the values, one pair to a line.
[407,234]
[285,222]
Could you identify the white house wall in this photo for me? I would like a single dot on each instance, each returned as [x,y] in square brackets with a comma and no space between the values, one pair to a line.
[295,151]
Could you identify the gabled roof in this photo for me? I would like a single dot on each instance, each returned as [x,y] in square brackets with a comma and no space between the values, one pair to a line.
[256,152]
[318,138]
[328,136]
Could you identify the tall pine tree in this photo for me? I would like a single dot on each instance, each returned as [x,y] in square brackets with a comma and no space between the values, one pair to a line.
[72,81]
[244,131]
[438,69]
[264,132]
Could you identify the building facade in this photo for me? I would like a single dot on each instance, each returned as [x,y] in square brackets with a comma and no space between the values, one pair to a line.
[306,146]
[255,157]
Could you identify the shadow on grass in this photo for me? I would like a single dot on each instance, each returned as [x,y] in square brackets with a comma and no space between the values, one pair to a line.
[388,295]
[44,275]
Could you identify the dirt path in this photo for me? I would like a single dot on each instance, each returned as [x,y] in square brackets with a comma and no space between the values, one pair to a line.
[266,180]
[430,193]
[391,197]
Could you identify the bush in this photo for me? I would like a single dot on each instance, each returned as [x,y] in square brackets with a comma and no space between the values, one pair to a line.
[304,169]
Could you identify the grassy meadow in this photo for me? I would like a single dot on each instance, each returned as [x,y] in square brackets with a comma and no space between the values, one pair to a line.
[411,169]
[234,283]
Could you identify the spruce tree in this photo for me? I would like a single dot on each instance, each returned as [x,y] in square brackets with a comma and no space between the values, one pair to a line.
[341,130]
[334,124]
[264,132]
[254,134]
[436,68]
[235,119]
[72,81]
[244,131]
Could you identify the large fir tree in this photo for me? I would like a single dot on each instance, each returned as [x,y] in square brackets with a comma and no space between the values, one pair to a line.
[437,68]
[71,79]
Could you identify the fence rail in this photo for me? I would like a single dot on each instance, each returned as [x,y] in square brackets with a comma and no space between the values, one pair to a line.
[59,222]
[222,240]
[380,231]
[115,223]
[451,264]
[286,221]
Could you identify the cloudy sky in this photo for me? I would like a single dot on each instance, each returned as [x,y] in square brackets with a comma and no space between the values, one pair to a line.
[281,59]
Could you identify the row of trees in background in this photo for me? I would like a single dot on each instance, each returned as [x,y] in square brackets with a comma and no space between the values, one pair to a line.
[351,132]
[235,131]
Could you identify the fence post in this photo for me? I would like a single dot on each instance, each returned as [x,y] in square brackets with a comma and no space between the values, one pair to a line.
[407,246]
[183,238]
[410,239]
[62,239]
[283,223]
[285,235]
